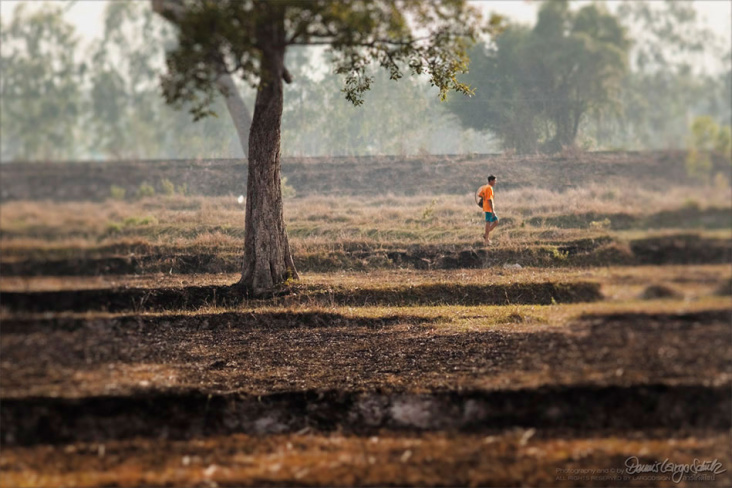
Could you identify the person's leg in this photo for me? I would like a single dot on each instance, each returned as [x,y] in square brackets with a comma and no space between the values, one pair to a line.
[489,226]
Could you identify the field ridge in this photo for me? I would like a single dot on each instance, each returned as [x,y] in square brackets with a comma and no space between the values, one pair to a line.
[183,415]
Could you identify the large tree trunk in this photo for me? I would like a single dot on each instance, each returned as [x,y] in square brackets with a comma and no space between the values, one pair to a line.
[237,109]
[267,258]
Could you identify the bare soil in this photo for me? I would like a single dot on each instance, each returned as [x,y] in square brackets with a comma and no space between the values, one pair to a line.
[183,376]
[305,389]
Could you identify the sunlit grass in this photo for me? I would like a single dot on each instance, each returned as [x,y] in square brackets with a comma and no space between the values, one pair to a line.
[197,222]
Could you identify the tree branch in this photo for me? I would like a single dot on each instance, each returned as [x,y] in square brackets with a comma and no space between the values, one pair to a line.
[174,11]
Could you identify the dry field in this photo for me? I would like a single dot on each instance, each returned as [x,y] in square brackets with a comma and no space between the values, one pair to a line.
[194,234]
[593,335]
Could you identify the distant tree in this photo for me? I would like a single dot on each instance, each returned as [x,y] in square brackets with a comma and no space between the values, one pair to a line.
[582,58]
[126,120]
[668,83]
[543,81]
[175,11]
[251,38]
[665,34]
[404,118]
[506,101]
[396,118]
[125,115]
[40,85]
[705,137]
[704,133]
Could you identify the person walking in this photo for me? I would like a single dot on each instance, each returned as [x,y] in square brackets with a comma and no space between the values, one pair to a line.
[486,194]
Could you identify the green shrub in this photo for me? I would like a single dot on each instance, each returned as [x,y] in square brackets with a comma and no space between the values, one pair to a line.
[698,164]
[137,221]
[704,133]
[723,144]
[691,204]
[114,228]
[557,255]
[287,190]
[118,227]
[429,211]
[721,181]
[167,187]
[600,224]
[117,192]
[145,190]
[705,137]
[183,189]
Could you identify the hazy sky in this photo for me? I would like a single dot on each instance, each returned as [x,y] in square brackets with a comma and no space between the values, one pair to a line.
[87,14]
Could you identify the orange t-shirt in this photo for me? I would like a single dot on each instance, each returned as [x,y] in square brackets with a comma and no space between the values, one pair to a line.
[486,192]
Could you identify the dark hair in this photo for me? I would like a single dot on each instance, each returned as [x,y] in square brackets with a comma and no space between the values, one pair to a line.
[491,178]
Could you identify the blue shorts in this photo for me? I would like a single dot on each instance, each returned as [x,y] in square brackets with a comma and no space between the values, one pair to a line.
[490,217]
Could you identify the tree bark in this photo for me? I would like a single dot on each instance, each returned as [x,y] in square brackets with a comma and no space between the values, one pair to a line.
[267,258]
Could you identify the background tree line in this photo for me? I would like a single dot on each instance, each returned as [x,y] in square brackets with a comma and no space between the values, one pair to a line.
[632,80]
[637,78]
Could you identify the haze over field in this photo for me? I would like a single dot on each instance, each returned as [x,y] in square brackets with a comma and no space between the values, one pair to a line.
[102,106]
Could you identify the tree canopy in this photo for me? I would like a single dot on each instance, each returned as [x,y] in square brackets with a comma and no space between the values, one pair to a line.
[536,85]
[105,103]
[401,36]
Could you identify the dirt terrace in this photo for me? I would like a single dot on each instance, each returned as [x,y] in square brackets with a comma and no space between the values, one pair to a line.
[194,415]
[674,249]
[83,379]
[194,297]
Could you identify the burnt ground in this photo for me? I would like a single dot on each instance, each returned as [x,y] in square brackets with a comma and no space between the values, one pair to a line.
[435,380]
[677,249]
[350,176]
[674,249]
[315,397]
[116,377]
[195,297]
[479,376]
